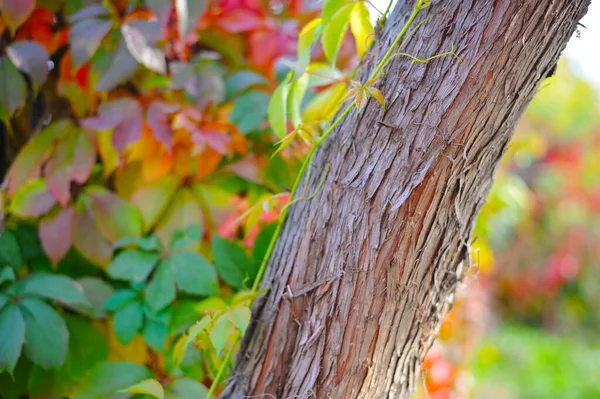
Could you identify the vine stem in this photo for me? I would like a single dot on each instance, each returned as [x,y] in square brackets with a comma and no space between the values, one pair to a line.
[420,5]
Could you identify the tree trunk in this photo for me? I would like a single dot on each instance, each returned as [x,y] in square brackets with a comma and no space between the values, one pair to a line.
[363,273]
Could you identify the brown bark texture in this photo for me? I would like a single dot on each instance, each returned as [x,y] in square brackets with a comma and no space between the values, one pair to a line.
[363,273]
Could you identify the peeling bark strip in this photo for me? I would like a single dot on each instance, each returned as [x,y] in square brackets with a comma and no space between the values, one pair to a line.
[362,274]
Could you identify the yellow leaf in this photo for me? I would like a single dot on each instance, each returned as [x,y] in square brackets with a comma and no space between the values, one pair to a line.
[306,39]
[360,99]
[324,105]
[277,111]
[108,153]
[361,27]
[376,94]
[335,31]
[149,387]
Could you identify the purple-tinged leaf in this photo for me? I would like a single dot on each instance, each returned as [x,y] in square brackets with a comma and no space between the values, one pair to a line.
[13,89]
[157,118]
[84,158]
[152,199]
[56,233]
[128,131]
[94,10]
[123,67]
[58,170]
[188,13]
[15,12]
[32,200]
[28,163]
[140,37]
[114,217]
[160,8]
[88,240]
[85,38]
[30,57]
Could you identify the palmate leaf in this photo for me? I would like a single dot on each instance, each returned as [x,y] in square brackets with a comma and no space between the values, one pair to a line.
[13,89]
[55,230]
[193,274]
[15,12]
[85,36]
[149,387]
[133,265]
[109,377]
[361,27]
[31,58]
[128,321]
[161,290]
[12,337]
[334,32]
[54,286]
[277,111]
[232,263]
[140,38]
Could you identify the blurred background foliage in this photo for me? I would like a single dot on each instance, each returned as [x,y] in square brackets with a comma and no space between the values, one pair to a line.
[127,172]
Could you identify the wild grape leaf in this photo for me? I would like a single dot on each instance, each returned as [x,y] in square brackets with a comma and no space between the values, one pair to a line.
[141,37]
[188,13]
[119,299]
[32,199]
[361,27]
[133,265]
[155,334]
[85,36]
[277,110]
[186,388]
[91,11]
[240,317]
[334,32]
[46,335]
[182,211]
[108,377]
[157,119]
[128,321]
[12,337]
[114,217]
[160,292]
[13,89]
[306,38]
[148,387]
[220,332]
[250,111]
[160,8]
[58,170]
[15,12]
[123,67]
[10,253]
[31,58]
[29,161]
[54,286]
[152,199]
[232,263]
[88,240]
[194,274]
[295,96]
[124,116]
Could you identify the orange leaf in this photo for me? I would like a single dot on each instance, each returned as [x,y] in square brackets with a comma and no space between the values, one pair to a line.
[376,94]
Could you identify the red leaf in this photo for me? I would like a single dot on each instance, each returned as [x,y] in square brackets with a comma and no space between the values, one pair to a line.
[15,12]
[240,20]
[56,233]
[158,120]
[215,139]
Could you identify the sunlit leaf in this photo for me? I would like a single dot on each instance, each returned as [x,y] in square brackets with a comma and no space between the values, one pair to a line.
[160,292]
[114,217]
[12,337]
[152,199]
[85,37]
[322,74]
[324,105]
[13,90]
[149,387]
[56,233]
[330,8]
[188,13]
[15,12]
[220,331]
[377,95]
[295,96]
[361,27]
[240,317]
[127,321]
[108,377]
[32,199]
[306,38]
[277,110]
[55,286]
[141,37]
[335,31]
[123,67]
[31,58]
[46,334]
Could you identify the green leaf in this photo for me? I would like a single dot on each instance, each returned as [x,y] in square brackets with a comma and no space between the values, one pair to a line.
[250,111]
[32,199]
[334,32]
[149,243]
[52,286]
[152,199]
[262,242]
[127,321]
[119,299]
[133,265]
[188,13]
[46,335]
[194,275]
[149,387]
[97,292]
[109,377]
[330,8]
[182,211]
[12,336]
[361,27]
[13,90]
[10,254]
[240,317]
[87,347]
[155,334]
[182,237]
[306,38]
[240,81]
[161,290]
[295,97]
[231,262]
[277,110]
[186,388]
[220,332]
[114,217]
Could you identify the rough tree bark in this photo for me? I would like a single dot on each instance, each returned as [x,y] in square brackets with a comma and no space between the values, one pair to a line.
[363,273]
